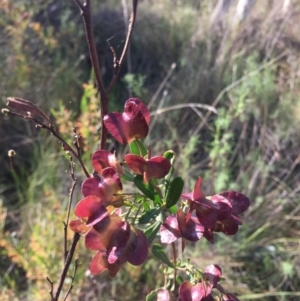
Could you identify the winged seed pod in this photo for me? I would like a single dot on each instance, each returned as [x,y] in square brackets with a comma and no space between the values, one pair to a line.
[27,106]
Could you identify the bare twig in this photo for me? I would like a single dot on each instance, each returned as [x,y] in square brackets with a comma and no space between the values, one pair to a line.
[86,14]
[51,288]
[66,223]
[175,260]
[68,261]
[73,278]
[51,128]
[128,54]
[126,45]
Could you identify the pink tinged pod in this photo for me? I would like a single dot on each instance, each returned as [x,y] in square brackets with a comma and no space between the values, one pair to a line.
[191,230]
[99,237]
[104,187]
[100,264]
[198,197]
[131,124]
[239,202]
[117,246]
[79,226]
[117,243]
[103,158]
[213,273]
[92,208]
[163,295]
[169,231]
[155,167]
[189,292]
[228,227]
[140,252]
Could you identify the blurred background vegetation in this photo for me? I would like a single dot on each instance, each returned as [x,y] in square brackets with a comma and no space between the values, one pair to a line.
[224,92]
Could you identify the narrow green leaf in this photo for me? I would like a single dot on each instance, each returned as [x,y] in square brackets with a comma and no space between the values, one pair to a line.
[147,189]
[146,205]
[160,253]
[138,148]
[149,215]
[151,231]
[152,296]
[127,176]
[84,101]
[174,192]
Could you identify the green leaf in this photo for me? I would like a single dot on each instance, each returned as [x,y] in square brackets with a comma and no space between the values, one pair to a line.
[127,176]
[138,148]
[84,101]
[147,189]
[152,296]
[146,205]
[179,279]
[174,192]
[173,209]
[149,215]
[151,231]
[160,253]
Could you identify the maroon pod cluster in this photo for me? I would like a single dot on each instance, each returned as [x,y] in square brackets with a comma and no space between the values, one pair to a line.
[202,290]
[155,167]
[131,124]
[115,241]
[205,216]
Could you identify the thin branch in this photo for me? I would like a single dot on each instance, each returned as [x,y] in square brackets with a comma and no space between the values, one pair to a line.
[80,5]
[73,278]
[51,128]
[86,15]
[128,37]
[66,223]
[175,261]
[51,288]
[68,261]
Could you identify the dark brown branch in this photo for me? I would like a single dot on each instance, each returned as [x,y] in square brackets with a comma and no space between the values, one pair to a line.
[69,258]
[86,14]
[128,37]
[73,278]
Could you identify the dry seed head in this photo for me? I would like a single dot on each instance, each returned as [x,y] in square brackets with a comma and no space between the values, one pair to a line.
[11,153]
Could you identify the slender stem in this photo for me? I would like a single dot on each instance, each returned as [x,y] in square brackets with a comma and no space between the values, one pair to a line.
[175,260]
[66,223]
[73,278]
[126,45]
[86,14]
[68,261]
[51,129]
[51,288]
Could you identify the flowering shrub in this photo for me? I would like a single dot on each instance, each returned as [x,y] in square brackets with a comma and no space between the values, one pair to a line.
[121,227]
[166,211]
